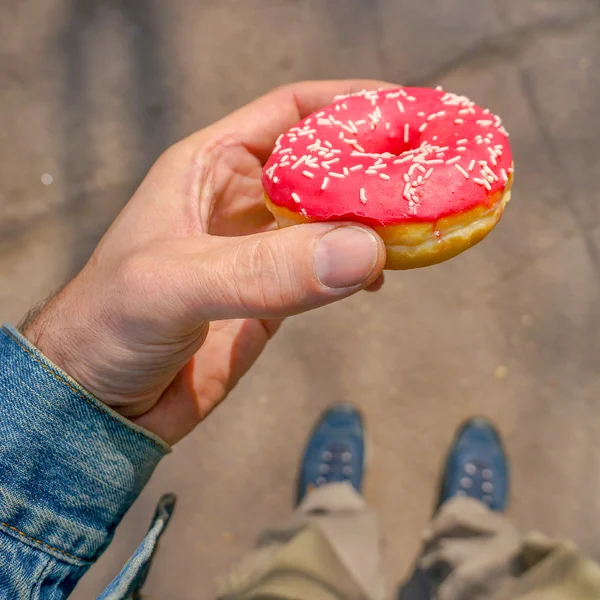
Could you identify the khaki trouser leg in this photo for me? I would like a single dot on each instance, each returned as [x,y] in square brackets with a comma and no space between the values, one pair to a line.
[472,553]
[328,550]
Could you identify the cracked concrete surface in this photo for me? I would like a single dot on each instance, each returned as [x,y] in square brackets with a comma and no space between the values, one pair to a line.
[94,90]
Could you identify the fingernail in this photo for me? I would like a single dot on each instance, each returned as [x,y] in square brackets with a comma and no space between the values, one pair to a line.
[345,257]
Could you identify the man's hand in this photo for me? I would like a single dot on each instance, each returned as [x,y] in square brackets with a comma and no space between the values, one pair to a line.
[192,279]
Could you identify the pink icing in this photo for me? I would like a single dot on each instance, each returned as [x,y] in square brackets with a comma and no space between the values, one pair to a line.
[390,156]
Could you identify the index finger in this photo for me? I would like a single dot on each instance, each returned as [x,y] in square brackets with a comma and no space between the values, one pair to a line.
[258,124]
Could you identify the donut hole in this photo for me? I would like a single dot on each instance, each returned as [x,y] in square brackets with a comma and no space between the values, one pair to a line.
[392,141]
[390,144]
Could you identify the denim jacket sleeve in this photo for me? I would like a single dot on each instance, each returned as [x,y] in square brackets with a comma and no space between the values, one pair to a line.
[70,467]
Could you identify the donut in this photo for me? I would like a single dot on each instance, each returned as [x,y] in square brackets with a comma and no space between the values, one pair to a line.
[428,170]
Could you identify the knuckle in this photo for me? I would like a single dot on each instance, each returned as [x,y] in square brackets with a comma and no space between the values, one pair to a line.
[137,279]
[263,277]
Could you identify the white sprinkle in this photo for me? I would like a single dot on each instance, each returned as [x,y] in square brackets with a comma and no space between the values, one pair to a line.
[285,151]
[434,161]
[406,177]
[415,183]
[410,98]
[422,168]
[406,193]
[295,198]
[346,171]
[458,121]
[484,122]
[412,169]
[269,172]
[361,122]
[387,125]
[504,175]
[400,106]
[490,173]
[299,161]
[510,170]
[423,127]
[325,182]
[308,174]
[465,174]
[402,160]
[275,179]
[371,172]
[419,179]
[461,142]
[326,163]
[344,106]
[451,161]
[357,146]
[338,175]
[461,148]
[278,140]
[406,133]
[356,168]
[472,165]
[348,129]
[464,111]
[320,114]
[363,196]
[420,114]
[328,144]
[428,174]
[483,182]
[384,176]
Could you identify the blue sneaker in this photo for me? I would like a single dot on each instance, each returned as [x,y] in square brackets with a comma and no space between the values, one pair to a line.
[335,450]
[477,466]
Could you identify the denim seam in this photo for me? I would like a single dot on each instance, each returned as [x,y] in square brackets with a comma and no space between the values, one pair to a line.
[35,590]
[79,394]
[40,543]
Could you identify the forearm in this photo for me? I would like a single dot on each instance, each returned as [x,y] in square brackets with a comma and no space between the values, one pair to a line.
[69,469]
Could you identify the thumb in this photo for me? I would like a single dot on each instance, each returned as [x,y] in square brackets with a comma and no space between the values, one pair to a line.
[283,272]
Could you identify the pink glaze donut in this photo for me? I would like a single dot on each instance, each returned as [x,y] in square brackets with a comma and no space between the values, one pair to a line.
[429,170]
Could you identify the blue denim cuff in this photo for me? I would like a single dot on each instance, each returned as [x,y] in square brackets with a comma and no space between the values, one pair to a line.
[70,467]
